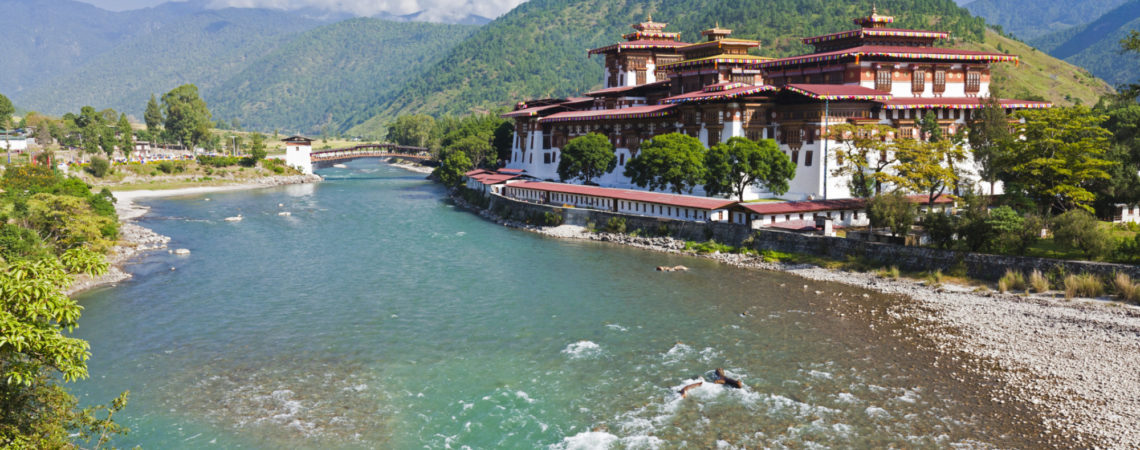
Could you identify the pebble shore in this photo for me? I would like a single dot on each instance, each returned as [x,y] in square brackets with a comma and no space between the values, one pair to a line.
[1077,361]
[135,240]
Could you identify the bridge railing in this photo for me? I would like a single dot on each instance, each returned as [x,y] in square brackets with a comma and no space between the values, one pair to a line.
[371,150]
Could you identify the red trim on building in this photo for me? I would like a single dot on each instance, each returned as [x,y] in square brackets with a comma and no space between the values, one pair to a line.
[683,201]
[634,112]
[837,92]
[959,103]
[897,52]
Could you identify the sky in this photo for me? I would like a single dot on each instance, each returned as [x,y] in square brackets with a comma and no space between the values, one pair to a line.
[435,8]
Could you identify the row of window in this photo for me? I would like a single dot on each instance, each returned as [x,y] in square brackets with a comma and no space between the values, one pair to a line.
[884,81]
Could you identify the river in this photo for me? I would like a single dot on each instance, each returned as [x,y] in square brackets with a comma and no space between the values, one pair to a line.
[378,315]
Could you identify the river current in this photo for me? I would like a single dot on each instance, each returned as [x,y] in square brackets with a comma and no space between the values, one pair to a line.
[379,315]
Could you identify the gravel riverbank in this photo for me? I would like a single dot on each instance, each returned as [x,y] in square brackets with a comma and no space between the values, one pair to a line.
[135,240]
[1077,361]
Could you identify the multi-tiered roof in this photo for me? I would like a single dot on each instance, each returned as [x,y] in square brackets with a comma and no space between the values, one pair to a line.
[648,35]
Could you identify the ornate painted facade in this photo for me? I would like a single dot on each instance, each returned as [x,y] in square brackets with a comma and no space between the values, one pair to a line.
[716,89]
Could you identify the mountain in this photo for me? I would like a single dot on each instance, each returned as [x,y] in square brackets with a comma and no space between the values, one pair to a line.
[331,75]
[205,47]
[1038,74]
[1096,45]
[1031,19]
[539,48]
[45,38]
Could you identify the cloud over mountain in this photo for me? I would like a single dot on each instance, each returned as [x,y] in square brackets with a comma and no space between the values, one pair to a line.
[432,10]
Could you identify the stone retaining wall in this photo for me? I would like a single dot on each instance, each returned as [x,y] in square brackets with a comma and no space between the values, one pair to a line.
[977,265]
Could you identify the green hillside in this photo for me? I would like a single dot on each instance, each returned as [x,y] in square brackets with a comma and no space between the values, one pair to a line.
[1096,45]
[332,74]
[1029,20]
[539,48]
[1039,75]
[205,48]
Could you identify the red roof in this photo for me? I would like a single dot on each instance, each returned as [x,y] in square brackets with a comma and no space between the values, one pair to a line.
[620,89]
[959,103]
[638,44]
[803,207]
[837,92]
[719,95]
[877,32]
[846,204]
[488,177]
[528,112]
[634,112]
[883,51]
[685,201]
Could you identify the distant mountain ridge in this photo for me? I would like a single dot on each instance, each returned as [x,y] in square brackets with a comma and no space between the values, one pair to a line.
[1096,45]
[1031,19]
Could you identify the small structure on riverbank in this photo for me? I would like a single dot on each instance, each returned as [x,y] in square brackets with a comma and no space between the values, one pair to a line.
[298,153]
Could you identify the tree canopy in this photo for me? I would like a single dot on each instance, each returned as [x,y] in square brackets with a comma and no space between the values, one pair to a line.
[1059,157]
[187,117]
[674,161]
[863,155]
[587,157]
[734,165]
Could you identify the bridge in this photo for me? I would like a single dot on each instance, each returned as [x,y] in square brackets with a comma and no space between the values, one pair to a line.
[299,154]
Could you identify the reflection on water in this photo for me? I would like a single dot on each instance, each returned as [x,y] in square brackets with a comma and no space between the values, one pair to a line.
[377,315]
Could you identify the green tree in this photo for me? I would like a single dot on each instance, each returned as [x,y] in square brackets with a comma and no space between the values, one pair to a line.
[503,140]
[126,137]
[587,157]
[153,116]
[738,163]
[412,130]
[990,139]
[187,117]
[893,211]
[862,155]
[674,161]
[257,147]
[928,127]
[6,111]
[475,147]
[925,167]
[451,171]
[1078,229]
[1059,156]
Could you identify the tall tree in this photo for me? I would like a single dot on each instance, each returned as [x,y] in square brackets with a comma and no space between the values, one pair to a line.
[928,127]
[675,161]
[477,148]
[450,171]
[990,139]
[126,137]
[153,116]
[6,111]
[1059,156]
[413,130]
[863,154]
[738,163]
[587,157]
[187,117]
[925,167]
[257,146]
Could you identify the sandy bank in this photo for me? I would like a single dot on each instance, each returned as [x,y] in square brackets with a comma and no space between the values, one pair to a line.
[135,240]
[1077,361]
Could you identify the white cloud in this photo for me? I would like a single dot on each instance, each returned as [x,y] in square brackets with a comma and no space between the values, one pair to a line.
[434,10]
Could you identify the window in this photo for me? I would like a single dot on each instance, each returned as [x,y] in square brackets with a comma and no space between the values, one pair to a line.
[621,160]
[918,81]
[883,80]
[714,137]
[973,81]
[807,158]
[641,77]
[795,156]
[939,81]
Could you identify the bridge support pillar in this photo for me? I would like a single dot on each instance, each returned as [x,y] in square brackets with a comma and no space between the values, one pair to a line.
[298,154]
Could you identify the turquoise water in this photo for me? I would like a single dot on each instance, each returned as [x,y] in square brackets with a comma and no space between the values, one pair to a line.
[378,315]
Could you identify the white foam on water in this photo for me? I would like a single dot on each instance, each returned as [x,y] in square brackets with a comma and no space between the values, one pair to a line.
[676,353]
[582,349]
[910,396]
[461,233]
[586,440]
[524,396]
[614,326]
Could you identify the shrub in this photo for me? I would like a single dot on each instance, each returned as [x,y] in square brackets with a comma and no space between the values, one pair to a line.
[1011,281]
[218,161]
[1080,230]
[18,243]
[934,278]
[552,219]
[99,167]
[893,211]
[939,229]
[166,167]
[892,272]
[1038,281]
[82,260]
[1126,289]
[616,225]
[1083,285]
[709,246]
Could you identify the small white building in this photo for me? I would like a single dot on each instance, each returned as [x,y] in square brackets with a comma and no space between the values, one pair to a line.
[487,182]
[1126,213]
[298,153]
